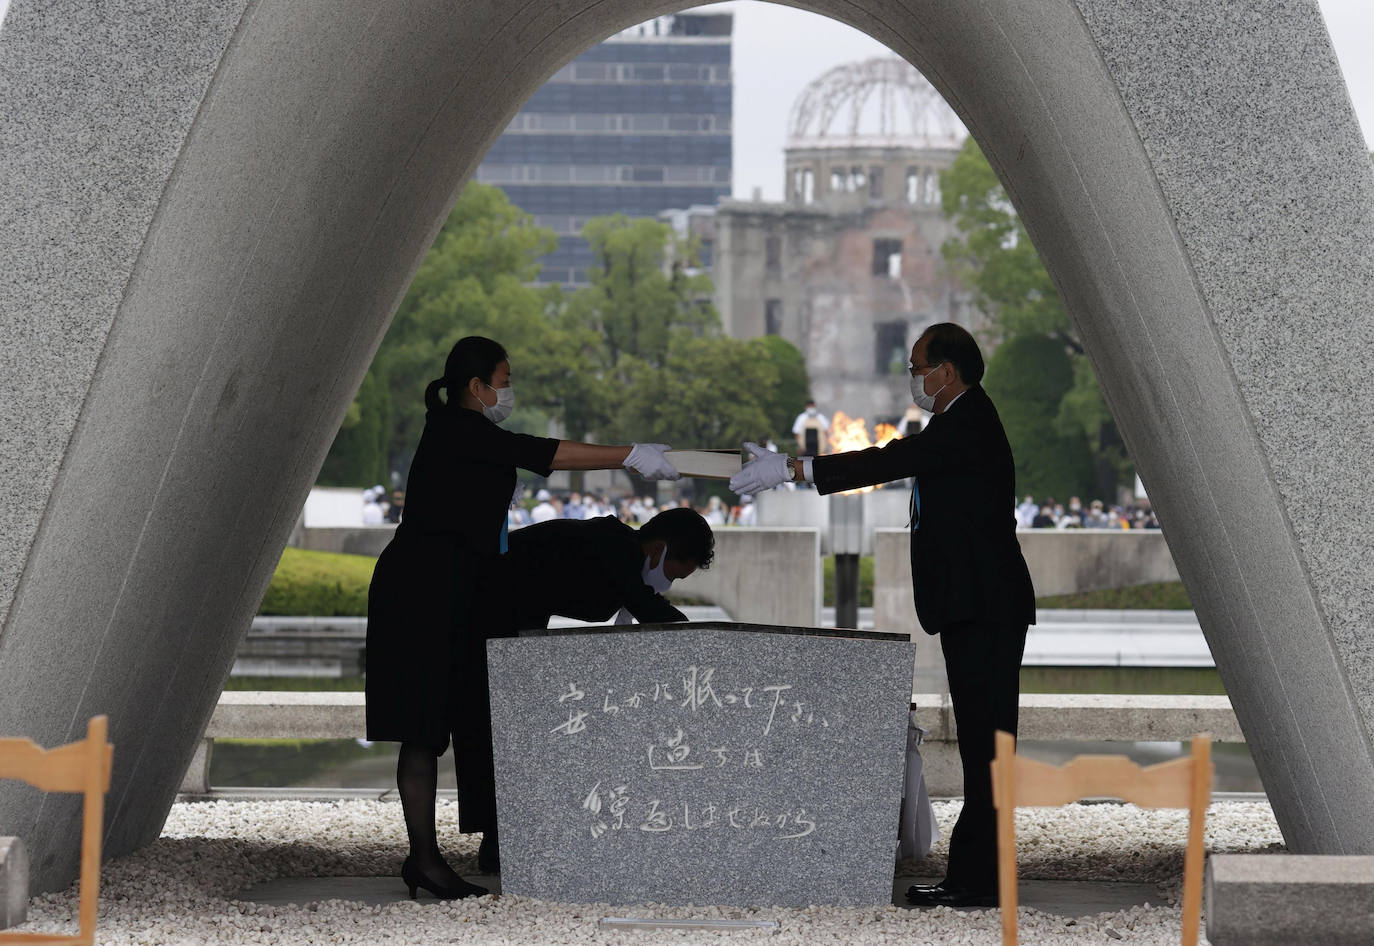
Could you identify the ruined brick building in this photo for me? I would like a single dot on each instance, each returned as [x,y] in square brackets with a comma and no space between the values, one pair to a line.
[848,266]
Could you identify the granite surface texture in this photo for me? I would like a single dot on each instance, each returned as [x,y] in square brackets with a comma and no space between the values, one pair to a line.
[722,767]
[93,112]
[1272,900]
[1244,115]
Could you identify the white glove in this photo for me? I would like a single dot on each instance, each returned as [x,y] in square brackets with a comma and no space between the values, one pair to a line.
[648,461]
[765,471]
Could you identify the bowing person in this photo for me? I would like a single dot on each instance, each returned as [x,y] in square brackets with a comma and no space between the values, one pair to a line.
[590,569]
[971,584]
[429,611]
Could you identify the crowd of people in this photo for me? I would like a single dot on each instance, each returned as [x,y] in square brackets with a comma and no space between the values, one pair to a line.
[1096,515]
[378,509]
[530,506]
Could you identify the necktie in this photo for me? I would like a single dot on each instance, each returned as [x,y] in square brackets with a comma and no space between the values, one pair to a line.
[505,533]
[915,504]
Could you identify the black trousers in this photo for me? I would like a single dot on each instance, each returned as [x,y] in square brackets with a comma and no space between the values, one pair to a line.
[983,662]
[476,773]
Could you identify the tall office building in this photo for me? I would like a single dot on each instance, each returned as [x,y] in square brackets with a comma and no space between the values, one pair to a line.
[635,125]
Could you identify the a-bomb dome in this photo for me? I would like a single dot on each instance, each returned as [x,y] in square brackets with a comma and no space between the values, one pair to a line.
[883,101]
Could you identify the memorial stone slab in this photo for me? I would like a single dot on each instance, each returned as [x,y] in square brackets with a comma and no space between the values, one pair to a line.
[713,763]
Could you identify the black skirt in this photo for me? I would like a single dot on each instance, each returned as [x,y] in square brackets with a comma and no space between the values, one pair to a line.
[426,658]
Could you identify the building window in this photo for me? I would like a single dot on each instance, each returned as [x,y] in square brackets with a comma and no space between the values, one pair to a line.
[932,194]
[875,183]
[772,317]
[913,185]
[772,253]
[857,180]
[808,189]
[836,180]
[887,257]
[890,349]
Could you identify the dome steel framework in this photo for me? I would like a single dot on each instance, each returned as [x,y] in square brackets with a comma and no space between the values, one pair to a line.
[883,101]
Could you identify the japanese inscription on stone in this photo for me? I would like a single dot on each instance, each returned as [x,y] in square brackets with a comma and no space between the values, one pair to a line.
[725,766]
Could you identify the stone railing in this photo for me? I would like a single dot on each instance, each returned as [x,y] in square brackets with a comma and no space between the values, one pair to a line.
[1060,562]
[1044,717]
[1090,717]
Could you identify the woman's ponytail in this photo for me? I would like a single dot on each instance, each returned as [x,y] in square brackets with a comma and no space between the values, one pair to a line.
[432,400]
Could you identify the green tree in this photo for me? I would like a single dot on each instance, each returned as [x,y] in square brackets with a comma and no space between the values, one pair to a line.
[1028,376]
[644,284]
[659,368]
[994,258]
[643,287]
[473,281]
[358,455]
[792,390]
[637,355]
[710,392]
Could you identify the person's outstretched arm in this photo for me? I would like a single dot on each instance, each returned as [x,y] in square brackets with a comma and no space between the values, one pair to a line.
[646,459]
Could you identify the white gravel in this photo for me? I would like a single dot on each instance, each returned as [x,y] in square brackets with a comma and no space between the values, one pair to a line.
[181,888]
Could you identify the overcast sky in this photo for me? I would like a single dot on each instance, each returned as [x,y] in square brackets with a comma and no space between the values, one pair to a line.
[778,50]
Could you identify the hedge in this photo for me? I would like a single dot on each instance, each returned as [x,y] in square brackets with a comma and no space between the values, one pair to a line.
[319,584]
[1158,596]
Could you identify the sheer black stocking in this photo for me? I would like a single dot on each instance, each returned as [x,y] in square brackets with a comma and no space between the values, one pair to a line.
[417,782]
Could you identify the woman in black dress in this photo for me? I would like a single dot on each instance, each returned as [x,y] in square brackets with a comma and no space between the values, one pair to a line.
[431,606]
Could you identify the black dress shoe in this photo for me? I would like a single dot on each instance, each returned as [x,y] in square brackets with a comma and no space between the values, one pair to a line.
[943,896]
[456,889]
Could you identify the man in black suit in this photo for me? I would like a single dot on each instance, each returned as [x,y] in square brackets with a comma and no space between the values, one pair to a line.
[591,568]
[971,584]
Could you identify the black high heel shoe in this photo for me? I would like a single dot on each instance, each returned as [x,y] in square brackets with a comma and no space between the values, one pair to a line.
[414,877]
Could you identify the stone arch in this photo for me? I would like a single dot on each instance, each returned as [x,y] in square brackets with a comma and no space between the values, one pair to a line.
[209,218]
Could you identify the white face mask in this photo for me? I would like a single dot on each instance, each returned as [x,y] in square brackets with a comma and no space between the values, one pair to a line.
[924,401]
[654,577]
[505,403]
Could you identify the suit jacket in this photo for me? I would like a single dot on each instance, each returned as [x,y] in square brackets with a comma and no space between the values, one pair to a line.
[966,564]
[580,568]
